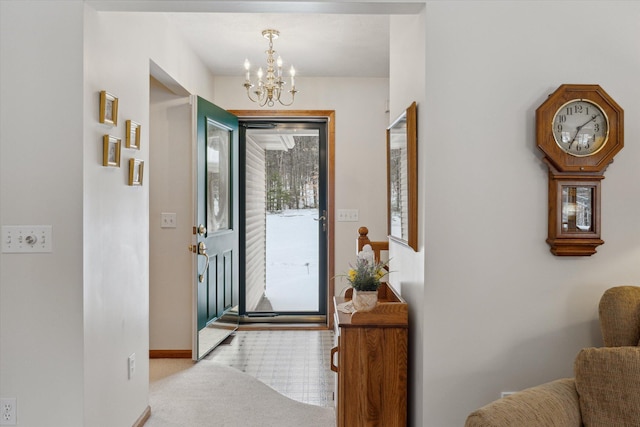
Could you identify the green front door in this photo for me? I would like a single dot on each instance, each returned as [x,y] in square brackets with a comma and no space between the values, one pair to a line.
[216,225]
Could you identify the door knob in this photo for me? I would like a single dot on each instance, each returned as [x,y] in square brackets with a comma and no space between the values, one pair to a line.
[202,250]
[323,218]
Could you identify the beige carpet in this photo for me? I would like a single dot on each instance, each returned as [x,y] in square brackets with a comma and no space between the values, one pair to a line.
[209,394]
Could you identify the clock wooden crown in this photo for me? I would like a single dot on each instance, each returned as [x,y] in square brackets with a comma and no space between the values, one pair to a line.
[565,162]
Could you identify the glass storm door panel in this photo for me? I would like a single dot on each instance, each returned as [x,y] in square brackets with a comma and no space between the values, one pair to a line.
[216,226]
[285,219]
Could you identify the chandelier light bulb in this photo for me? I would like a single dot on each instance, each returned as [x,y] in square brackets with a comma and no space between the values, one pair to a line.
[247,67]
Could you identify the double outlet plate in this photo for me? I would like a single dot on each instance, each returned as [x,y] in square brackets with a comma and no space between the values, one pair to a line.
[8,412]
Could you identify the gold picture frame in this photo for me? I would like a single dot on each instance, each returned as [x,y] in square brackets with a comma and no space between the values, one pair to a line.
[136,170]
[133,135]
[108,108]
[111,151]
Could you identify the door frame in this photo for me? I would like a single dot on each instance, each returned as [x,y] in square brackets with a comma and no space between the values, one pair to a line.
[329,115]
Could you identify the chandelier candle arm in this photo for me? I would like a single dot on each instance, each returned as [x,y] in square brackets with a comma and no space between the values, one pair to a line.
[270,84]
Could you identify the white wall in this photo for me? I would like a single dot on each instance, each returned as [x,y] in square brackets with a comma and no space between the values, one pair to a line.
[171,265]
[41,149]
[360,148]
[70,319]
[118,49]
[407,84]
[501,312]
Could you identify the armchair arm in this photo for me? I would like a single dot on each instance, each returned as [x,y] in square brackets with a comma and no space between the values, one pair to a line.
[553,404]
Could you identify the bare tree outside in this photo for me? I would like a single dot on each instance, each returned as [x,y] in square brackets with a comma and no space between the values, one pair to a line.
[292,176]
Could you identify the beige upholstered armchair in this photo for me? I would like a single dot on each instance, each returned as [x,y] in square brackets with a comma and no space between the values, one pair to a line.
[606,387]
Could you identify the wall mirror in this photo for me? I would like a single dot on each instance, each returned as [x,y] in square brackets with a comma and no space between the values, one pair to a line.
[402,179]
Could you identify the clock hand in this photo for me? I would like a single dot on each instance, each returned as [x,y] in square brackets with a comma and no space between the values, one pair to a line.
[579,128]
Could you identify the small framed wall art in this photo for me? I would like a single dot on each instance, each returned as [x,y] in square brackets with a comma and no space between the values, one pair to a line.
[133,135]
[111,151]
[136,170]
[108,108]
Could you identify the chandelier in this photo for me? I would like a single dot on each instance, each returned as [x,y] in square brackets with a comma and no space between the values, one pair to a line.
[269,87]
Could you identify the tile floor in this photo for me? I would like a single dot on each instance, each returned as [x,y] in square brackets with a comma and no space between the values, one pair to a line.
[295,363]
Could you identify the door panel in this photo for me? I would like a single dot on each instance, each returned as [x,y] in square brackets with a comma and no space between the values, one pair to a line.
[216,226]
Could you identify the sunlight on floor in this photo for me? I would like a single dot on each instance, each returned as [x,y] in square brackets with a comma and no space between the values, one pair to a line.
[295,363]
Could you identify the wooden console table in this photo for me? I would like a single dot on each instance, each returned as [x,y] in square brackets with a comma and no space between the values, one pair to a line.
[372,362]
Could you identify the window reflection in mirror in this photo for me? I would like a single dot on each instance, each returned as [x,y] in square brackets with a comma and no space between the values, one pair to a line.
[399,198]
[402,176]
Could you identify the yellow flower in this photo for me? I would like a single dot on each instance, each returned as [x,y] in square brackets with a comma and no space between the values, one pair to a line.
[351,274]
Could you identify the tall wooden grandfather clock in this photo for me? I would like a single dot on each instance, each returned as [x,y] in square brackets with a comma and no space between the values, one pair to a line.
[580,129]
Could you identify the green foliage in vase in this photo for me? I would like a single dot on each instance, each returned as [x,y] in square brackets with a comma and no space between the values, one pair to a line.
[366,275]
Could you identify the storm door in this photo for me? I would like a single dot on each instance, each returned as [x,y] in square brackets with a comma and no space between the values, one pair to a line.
[284,209]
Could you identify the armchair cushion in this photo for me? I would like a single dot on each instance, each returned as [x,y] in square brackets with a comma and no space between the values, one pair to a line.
[553,404]
[608,384]
[619,312]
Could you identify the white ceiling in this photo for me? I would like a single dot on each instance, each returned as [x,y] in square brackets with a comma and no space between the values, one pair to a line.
[321,38]
[317,45]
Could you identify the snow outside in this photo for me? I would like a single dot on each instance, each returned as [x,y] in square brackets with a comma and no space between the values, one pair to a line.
[292,260]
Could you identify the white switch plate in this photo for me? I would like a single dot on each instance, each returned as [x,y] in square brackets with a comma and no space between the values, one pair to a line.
[347,215]
[26,238]
[168,220]
[131,363]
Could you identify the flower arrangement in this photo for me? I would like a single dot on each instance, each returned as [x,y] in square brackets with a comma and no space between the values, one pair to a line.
[366,274]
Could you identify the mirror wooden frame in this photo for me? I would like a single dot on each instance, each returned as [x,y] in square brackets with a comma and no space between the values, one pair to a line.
[402,179]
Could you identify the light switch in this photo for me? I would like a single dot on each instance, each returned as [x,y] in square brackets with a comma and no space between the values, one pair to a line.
[26,238]
[168,220]
[347,215]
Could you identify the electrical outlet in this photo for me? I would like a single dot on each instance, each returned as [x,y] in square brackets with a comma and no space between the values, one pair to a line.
[132,365]
[8,411]
[506,393]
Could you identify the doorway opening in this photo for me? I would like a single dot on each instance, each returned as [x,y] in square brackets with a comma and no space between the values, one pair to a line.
[285,219]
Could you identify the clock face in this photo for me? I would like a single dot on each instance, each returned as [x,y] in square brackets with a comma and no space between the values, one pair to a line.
[580,128]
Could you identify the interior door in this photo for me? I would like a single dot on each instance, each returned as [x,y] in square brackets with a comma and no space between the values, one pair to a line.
[216,228]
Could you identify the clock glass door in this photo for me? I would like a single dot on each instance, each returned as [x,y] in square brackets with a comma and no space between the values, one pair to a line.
[577,209]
